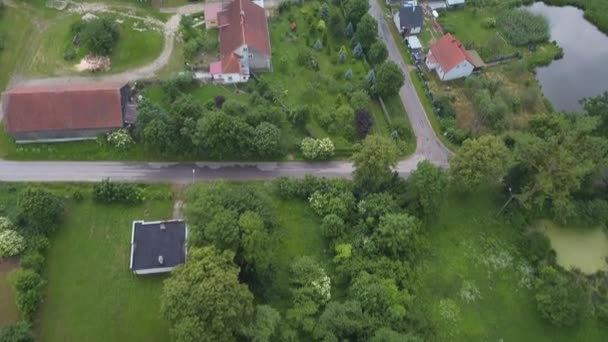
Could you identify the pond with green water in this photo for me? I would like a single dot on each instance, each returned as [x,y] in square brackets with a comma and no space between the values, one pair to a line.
[582,248]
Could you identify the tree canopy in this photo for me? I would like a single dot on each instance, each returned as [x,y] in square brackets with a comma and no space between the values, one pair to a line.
[375,162]
[204,301]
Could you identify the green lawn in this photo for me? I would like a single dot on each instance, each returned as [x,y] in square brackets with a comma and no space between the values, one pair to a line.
[299,234]
[91,294]
[469,245]
[16,30]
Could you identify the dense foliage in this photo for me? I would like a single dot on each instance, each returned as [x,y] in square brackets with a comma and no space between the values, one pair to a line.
[18,332]
[561,299]
[375,162]
[39,211]
[521,27]
[388,79]
[98,35]
[110,192]
[28,291]
[204,301]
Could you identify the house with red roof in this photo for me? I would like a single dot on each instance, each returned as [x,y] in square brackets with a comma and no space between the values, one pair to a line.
[244,42]
[66,112]
[449,59]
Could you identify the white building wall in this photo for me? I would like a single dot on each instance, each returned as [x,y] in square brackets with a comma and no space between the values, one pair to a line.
[463,69]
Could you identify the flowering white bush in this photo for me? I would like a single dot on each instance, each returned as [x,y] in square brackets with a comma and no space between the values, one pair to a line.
[120,139]
[469,292]
[317,149]
[5,223]
[322,286]
[11,243]
[449,311]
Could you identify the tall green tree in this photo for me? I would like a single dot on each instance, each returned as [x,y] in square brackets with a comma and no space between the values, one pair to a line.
[598,106]
[39,210]
[367,32]
[355,9]
[399,236]
[389,79]
[427,188]
[204,301]
[553,158]
[377,53]
[375,162]
[267,320]
[341,322]
[100,36]
[480,161]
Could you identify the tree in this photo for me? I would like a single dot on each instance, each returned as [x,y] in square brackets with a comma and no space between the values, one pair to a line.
[28,291]
[39,210]
[377,53]
[157,136]
[480,161]
[267,140]
[553,158]
[341,322]
[17,332]
[317,149]
[359,99]
[203,299]
[598,107]
[375,162]
[355,9]
[333,226]
[11,243]
[254,240]
[100,36]
[398,236]
[561,299]
[381,300]
[367,31]
[223,135]
[311,290]
[388,335]
[389,79]
[427,188]
[267,320]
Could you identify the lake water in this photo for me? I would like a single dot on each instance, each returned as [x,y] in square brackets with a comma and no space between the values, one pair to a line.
[583,248]
[583,71]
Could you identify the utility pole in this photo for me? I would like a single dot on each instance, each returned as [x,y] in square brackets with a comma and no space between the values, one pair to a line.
[507,203]
[193,175]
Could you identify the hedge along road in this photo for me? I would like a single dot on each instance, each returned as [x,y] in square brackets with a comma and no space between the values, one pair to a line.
[428,147]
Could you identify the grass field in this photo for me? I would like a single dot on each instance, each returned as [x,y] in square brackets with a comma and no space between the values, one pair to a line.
[471,246]
[91,294]
[15,30]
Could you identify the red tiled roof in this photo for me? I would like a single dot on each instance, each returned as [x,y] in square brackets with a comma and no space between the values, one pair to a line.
[211,10]
[231,64]
[67,107]
[449,52]
[243,22]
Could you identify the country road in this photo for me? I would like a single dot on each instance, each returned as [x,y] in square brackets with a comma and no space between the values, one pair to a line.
[427,143]
[428,146]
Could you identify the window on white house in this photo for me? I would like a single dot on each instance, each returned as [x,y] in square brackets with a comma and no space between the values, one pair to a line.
[229,78]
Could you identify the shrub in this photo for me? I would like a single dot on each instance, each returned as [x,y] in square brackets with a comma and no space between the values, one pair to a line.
[317,149]
[560,298]
[11,243]
[333,226]
[39,210]
[28,285]
[17,332]
[537,248]
[302,188]
[120,139]
[339,203]
[489,22]
[109,192]
[32,260]
[267,140]
[520,27]
[219,101]
[359,99]
[69,54]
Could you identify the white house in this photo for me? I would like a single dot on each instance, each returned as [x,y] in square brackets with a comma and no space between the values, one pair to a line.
[244,42]
[409,20]
[449,59]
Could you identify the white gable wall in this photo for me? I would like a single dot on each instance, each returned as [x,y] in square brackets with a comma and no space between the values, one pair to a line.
[463,69]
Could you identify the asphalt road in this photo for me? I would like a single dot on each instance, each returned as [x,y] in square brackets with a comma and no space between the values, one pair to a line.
[15,171]
[427,143]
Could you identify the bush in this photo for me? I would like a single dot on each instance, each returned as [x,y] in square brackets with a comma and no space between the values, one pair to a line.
[109,192]
[39,210]
[537,248]
[28,285]
[219,101]
[32,260]
[520,27]
[11,243]
[560,298]
[69,54]
[18,332]
[302,188]
[339,203]
[120,139]
[317,149]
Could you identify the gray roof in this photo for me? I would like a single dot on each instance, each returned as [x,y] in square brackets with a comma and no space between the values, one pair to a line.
[160,238]
[411,16]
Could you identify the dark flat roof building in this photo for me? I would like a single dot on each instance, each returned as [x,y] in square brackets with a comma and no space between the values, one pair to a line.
[158,246]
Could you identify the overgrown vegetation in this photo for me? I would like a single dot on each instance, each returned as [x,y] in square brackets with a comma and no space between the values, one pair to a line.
[98,36]
[521,27]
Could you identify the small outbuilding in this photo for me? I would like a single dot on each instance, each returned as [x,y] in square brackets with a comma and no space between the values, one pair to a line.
[158,246]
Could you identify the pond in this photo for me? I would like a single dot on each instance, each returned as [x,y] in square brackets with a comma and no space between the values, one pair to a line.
[583,248]
[582,72]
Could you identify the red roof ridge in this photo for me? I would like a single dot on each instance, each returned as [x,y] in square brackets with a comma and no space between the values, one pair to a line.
[449,52]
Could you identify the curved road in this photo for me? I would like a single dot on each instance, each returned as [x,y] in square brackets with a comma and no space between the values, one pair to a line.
[428,145]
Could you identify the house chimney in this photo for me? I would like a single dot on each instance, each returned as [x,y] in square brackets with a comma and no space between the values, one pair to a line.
[161,260]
